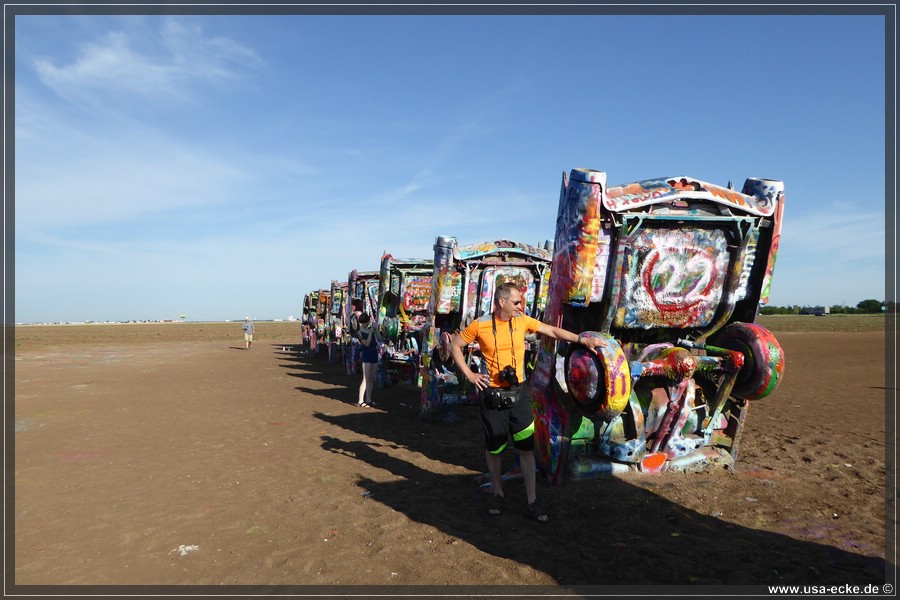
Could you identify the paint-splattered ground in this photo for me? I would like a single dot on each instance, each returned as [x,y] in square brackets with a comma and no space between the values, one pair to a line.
[168,454]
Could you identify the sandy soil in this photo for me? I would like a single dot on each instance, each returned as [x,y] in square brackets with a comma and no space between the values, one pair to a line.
[166,454]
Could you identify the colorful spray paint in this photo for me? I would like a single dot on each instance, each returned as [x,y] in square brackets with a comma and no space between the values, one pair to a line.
[308,321]
[336,320]
[404,291]
[670,272]
[314,321]
[321,322]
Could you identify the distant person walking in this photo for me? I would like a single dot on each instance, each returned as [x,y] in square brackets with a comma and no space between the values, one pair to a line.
[248,332]
[369,340]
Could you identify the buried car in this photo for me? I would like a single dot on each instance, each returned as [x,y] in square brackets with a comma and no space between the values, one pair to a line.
[404,290]
[465,278]
[336,320]
[308,320]
[320,321]
[670,273]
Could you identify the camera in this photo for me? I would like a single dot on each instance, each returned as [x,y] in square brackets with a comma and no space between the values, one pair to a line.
[501,397]
[509,375]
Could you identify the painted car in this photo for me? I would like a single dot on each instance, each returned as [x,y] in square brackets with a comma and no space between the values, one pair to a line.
[465,278]
[308,320]
[670,273]
[335,320]
[404,290]
[319,322]
[362,288]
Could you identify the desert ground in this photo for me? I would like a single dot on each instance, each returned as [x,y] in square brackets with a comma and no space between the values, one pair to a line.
[165,454]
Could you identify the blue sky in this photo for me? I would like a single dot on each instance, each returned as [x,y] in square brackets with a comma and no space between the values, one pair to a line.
[223,166]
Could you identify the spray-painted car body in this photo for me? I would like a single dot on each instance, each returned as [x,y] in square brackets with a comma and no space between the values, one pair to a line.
[465,278]
[670,272]
[336,320]
[362,286]
[319,322]
[308,320]
[404,290]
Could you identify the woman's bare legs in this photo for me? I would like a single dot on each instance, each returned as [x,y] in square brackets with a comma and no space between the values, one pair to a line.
[369,372]
[367,385]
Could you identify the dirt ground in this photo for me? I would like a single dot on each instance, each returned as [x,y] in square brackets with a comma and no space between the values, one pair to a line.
[167,454]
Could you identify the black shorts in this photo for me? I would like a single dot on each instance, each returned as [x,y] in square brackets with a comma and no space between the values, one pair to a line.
[499,423]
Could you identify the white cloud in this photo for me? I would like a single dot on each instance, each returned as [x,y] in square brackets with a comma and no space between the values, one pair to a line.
[839,235]
[121,177]
[122,66]
[210,58]
[830,257]
[111,163]
[112,65]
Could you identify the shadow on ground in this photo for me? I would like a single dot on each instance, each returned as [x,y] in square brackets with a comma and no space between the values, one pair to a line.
[602,532]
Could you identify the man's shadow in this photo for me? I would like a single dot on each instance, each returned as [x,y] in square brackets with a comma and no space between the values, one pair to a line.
[603,532]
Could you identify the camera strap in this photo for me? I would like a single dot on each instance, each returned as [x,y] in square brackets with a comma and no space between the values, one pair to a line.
[512,344]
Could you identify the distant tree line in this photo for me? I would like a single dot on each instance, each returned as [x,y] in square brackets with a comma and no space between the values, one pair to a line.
[864,307]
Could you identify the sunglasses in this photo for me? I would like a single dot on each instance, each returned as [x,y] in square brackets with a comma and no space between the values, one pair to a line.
[515,302]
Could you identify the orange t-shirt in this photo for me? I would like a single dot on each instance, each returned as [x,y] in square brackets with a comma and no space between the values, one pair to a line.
[499,354]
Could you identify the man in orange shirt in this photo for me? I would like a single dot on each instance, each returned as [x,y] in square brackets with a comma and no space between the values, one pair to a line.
[506,400]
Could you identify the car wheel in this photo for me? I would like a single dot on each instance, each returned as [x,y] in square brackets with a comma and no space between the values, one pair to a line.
[600,384]
[763,359]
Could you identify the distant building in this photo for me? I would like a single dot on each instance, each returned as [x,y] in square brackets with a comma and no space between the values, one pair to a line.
[819,311]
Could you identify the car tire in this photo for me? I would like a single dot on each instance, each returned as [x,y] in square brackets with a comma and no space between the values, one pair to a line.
[763,359]
[599,384]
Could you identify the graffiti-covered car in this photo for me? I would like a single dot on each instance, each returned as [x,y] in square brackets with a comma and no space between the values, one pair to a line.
[308,320]
[335,320]
[362,289]
[670,273]
[465,278]
[319,323]
[404,290]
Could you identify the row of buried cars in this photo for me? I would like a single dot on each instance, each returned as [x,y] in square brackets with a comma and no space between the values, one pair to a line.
[669,272]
